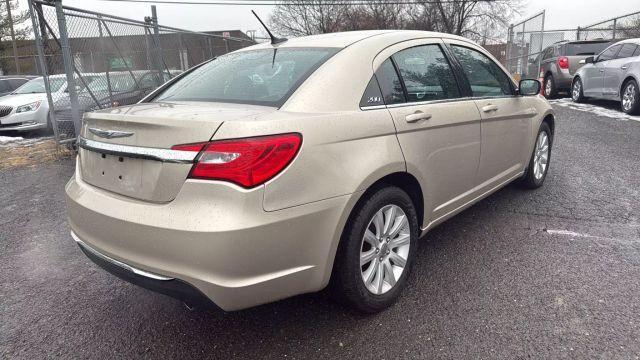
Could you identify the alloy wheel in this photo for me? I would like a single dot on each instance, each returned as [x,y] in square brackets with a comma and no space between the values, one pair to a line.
[629,97]
[385,249]
[541,155]
[577,88]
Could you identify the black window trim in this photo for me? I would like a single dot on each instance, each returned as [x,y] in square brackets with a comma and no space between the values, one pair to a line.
[456,74]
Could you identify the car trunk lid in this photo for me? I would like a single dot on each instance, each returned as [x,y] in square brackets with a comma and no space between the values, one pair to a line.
[127,150]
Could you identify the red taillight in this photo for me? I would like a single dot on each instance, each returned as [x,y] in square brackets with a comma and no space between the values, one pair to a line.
[247,162]
[563,62]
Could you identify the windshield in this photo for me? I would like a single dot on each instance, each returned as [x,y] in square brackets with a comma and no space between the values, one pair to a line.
[585,48]
[261,77]
[36,86]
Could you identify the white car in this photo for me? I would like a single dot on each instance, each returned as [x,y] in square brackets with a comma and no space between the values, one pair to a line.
[27,108]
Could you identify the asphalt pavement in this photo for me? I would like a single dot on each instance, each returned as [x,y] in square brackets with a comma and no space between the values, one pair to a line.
[552,273]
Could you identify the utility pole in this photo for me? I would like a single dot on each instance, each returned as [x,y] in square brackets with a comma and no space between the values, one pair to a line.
[13,37]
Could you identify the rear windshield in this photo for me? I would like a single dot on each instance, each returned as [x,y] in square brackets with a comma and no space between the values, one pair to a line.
[260,77]
[585,49]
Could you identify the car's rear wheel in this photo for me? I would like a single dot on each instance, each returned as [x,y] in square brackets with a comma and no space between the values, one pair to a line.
[549,87]
[376,251]
[538,167]
[631,98]
[577,91]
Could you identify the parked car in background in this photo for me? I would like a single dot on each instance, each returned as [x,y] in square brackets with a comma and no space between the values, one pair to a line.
[560,62]
[27,107]
[114,89]
[277,170]
[9,83]
[612,75]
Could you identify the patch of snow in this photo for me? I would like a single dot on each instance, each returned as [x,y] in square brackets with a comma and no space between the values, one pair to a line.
[9,139]
[17,141]
[595,109]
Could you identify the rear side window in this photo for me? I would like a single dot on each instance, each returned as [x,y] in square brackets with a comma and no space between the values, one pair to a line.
[610,53]
[576,49]
[260,77]
[548,53]
[426,74]
[485,76]
[626,51]
[637,53]
[390,83]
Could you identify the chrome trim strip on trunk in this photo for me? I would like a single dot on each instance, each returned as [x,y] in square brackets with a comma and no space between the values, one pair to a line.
[134,270]
[164,155]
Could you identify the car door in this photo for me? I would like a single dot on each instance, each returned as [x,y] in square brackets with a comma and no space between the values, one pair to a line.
[438,129]
[506,117]
[615,71]
[593,82]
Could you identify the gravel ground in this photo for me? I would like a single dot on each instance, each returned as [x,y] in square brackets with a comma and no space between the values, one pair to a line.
[552,273]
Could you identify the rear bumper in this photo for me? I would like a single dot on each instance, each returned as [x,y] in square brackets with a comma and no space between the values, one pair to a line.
[175,288]
[213,237]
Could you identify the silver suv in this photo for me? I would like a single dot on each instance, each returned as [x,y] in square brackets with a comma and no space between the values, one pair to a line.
[613,75]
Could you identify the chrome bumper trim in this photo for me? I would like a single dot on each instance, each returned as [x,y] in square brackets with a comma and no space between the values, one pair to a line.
[163,155]
[118,263]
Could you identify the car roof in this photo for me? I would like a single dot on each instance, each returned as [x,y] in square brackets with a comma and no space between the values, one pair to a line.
[629,41]
[346,38]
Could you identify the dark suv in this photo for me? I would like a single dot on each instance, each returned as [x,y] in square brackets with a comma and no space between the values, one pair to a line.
[560,62]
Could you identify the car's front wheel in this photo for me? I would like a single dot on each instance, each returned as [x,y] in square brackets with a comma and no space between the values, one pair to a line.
[577,91]
[376,251]
[631,98]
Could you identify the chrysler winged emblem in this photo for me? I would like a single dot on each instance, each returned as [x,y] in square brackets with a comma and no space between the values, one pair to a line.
[109,134]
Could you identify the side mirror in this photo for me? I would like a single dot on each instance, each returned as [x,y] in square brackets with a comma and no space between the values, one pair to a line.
[529,87]
[589,60]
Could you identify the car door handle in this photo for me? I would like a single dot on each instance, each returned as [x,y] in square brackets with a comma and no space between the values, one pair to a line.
[490,108]
[601,70]
[623,67]
[417,116]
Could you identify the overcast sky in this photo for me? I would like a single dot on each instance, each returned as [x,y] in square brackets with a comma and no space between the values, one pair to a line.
[560,13]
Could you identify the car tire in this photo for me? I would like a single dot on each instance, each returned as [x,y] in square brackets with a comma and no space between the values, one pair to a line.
[536,172]
[577,91]
[349,272]
[631,98]
[550,91]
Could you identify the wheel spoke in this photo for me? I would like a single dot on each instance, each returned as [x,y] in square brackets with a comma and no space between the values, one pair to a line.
[388,272]
[402,239]
[397,259]
[367,256]
[379,280]
[389,219]
[371,271]
[370,238]
[378,222]
[400,223]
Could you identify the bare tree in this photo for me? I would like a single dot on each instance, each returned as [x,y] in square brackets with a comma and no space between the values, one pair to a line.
[11,30]
[481,20]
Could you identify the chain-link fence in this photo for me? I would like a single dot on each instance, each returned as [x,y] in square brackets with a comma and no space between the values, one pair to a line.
[92,61]
[527,39]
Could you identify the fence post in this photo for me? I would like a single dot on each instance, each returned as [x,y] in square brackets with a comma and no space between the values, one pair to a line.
[106,59]
[13,37]
[615,24]
[42,64]
[68,68]
[156,34]
[578,34]
[541,44]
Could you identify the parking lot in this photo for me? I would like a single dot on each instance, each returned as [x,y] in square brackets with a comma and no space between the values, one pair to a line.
[550,273]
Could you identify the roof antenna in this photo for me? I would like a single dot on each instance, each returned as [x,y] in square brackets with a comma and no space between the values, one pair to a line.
[274,40]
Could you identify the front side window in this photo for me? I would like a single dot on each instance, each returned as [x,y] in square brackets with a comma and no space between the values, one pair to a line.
[610,53]
[485,76]
[426,74]
[626,51]
[261,77]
